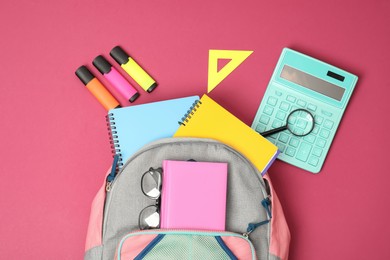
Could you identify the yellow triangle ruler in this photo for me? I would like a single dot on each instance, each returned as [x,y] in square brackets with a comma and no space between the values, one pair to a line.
[236,58]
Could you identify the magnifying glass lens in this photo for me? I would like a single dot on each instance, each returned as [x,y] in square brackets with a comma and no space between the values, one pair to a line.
[300,122]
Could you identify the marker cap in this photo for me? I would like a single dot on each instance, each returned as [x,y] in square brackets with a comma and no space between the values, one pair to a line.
[134,97]
[102,64]
[96,88]
[118,54]
[152,87]
[84,75]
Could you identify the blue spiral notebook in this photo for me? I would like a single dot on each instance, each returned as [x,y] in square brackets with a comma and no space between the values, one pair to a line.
[133,127]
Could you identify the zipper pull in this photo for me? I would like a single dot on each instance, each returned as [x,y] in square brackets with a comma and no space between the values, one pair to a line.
[246,234]
[110,178]
[266,203]
[252,226]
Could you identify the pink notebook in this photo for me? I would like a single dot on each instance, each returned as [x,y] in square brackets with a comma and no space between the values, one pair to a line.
[193,195]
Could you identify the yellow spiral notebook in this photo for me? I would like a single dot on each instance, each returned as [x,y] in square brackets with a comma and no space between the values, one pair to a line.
[208,119]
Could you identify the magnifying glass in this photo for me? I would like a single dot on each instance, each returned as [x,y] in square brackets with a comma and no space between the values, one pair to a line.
[300,122]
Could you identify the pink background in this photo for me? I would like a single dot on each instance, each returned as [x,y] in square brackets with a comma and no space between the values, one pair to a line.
[54,143]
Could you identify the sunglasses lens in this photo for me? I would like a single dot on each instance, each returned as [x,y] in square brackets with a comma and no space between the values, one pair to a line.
[149,218]
[151,183]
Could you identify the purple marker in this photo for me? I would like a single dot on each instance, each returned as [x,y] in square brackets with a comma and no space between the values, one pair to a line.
[115,78]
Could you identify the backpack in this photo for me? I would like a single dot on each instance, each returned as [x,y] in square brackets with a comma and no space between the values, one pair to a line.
[255,223]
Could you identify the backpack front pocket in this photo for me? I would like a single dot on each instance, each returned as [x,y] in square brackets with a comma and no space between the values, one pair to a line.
[184,245]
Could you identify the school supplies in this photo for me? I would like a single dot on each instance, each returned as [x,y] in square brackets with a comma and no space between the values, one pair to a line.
[235,58]
[193,195]
[133,127]
[210,120]
[302,82]
[96,88]
[255,226]
[115,78]
[133,69]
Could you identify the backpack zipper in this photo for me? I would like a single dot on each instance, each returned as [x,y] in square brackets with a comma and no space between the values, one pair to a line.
[111,177]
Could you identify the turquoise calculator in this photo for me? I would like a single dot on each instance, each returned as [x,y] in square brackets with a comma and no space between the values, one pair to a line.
[300,82]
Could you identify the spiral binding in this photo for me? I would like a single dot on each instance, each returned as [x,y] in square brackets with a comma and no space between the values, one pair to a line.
[113,137]
[190,112]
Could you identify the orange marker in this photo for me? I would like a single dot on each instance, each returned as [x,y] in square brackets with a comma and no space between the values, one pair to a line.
[97,89]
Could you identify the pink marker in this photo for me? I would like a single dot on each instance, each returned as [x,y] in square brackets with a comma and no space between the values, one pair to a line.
[115,78]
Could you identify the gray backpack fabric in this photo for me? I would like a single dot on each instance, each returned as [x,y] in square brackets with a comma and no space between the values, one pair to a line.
[245,193]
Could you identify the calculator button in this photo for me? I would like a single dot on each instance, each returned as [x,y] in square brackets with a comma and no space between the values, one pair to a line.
[313,161]
[260,128]
[321,142]
[328,124]
[280,115]
[318,119]
[283,138]
[292,119]
[281,147]
[317,151]
[298,131]
[284,106]
[326,113]
[301,123]
[291,98]
[303,152]
[268,110]
[277,124]
[312,107]
[324,133]
[310,138]
[278,93]
[294,108]
[290,151]
[272,101]
[294,142]
[264,119]
[315,129]
[301,103]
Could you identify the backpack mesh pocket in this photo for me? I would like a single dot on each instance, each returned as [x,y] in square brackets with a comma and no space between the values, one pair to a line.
[185,245]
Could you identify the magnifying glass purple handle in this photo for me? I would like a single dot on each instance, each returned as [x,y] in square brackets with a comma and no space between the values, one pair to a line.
[273,131]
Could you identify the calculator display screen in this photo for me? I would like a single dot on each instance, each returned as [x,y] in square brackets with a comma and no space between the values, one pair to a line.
[308,81]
